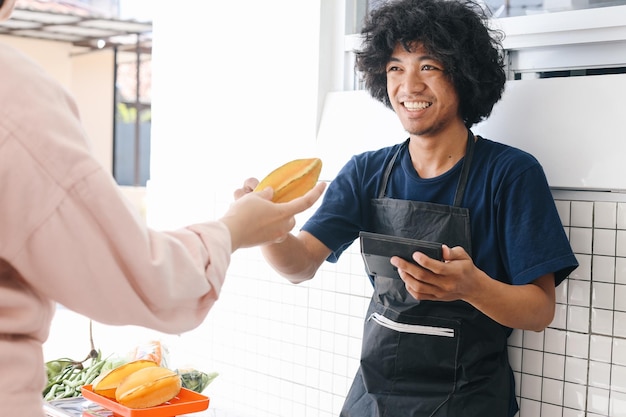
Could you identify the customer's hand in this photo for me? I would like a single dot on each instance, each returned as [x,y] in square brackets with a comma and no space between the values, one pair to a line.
[253,219]
[248,186]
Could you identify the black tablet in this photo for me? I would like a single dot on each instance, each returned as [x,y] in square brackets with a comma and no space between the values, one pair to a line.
[377,249]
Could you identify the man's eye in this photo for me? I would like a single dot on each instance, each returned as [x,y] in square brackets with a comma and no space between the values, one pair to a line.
[391,69]
[429,67]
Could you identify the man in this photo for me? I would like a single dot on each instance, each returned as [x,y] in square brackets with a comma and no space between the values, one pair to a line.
[435,341]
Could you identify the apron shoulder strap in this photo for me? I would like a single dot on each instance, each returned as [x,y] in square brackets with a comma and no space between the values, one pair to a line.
[467,162]
[460,189]
[392,162]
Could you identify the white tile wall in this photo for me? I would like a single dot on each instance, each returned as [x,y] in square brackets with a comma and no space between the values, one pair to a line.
[582,361]
[285,350]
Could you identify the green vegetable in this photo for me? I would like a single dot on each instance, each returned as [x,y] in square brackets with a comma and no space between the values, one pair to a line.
[66,376]
[113,362]
[195,380]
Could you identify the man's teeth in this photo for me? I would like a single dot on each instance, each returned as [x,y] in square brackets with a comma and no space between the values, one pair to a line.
[416,105]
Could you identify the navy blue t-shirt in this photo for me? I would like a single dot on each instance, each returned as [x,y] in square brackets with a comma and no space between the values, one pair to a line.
[517,235]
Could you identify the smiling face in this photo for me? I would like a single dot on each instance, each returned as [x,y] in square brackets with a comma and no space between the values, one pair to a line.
[421,93]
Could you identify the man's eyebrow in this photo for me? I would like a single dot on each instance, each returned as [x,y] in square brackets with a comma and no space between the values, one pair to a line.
[424,57]
[427,57]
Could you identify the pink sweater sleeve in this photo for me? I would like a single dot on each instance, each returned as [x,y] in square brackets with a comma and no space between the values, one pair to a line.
[69,236]
[74,238]
[94,254]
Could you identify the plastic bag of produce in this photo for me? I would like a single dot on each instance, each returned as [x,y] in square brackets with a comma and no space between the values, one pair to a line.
[195,380]
[153,350]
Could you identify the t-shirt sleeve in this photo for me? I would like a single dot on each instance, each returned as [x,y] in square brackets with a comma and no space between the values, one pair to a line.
[532,237]
[346,208]
[336,223]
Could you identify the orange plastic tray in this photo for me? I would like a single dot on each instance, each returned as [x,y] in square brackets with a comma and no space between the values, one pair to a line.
[187,401]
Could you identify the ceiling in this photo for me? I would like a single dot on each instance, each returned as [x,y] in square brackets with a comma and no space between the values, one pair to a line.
[82,30]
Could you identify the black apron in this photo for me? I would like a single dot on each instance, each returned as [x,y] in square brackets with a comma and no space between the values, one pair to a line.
[428,358]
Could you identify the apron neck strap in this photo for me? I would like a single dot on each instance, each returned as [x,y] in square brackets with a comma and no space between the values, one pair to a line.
[387,174]
[467,161]
[460,188]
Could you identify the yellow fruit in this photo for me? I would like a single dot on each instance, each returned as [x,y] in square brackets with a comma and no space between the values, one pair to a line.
[292,179]
[106,383]
[148,387]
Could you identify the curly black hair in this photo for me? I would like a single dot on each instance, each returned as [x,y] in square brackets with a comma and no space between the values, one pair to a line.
[455,32]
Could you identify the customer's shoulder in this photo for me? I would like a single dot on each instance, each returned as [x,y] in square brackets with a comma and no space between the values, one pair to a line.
[15,65]
[27,88]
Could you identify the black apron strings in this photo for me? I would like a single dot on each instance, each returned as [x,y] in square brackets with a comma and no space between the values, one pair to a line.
[460,189]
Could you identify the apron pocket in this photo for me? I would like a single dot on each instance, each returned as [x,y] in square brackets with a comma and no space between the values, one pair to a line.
[407,358]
